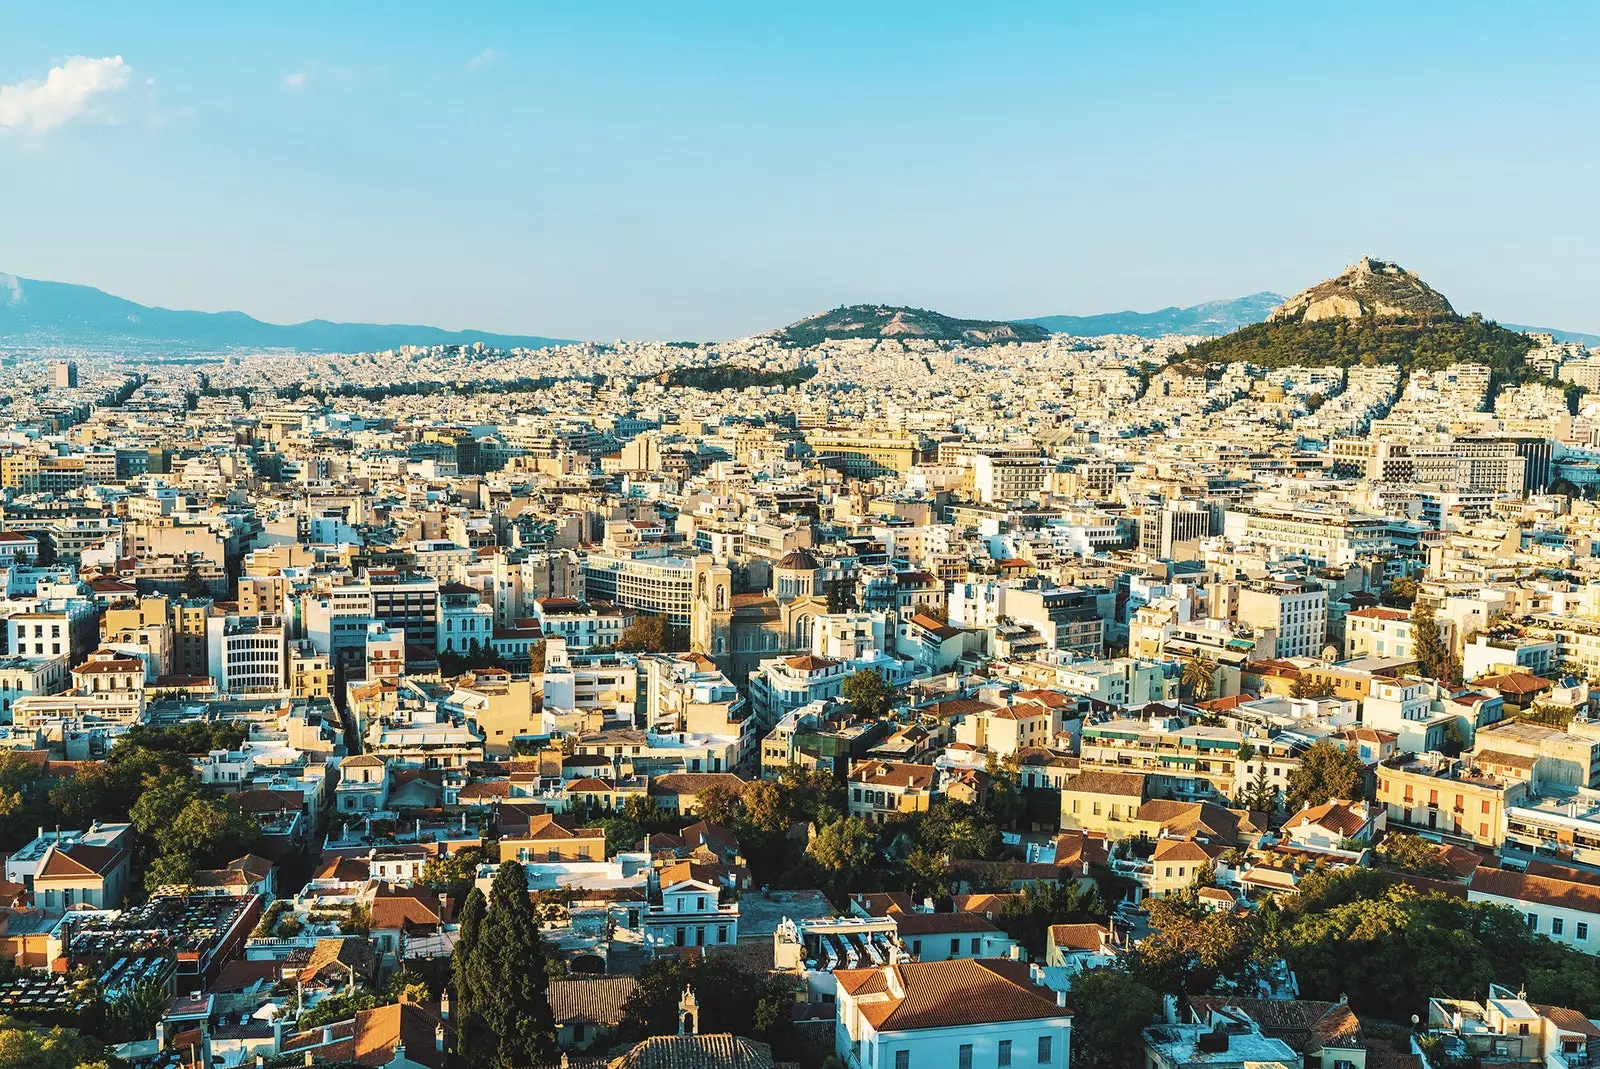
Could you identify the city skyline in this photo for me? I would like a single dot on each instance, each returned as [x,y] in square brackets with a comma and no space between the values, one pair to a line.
[710,174]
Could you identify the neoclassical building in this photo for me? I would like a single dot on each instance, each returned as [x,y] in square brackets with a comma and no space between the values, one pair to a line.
[738,630]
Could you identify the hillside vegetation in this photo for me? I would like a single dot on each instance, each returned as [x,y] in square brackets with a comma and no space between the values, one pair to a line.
[877,322]
[734,377]
[1416,342]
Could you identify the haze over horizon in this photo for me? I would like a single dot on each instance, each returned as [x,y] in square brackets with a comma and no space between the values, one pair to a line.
[717,171]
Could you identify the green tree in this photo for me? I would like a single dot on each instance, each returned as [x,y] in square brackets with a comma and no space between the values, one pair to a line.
[25,1046]
[868,692]
[1412,853]
[1403,590]
[168,870]
[1109,1011]
[720,804]
[194,586]
[647,634]
[843,850]
[1198,677]
[455,873]
[733,997]
[508,960]
[133,1014]
[1306,687]
[1430,650]
[1262,795]
[1326,772]
[473,1045]
[764,806]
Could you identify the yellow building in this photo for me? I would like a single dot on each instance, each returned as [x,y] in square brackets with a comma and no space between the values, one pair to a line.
[1106,802]
[1451,797]
[310,672]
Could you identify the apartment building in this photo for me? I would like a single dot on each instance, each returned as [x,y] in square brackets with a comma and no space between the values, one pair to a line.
[1450,797]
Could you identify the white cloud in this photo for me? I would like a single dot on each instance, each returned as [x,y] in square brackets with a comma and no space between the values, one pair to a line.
[68,92]
[483,59]
[297,80]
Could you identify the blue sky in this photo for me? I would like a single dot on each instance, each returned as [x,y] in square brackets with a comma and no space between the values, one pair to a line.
[707,170]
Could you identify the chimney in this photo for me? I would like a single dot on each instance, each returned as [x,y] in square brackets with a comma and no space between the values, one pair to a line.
[327,1033]
[438,1037]
[280,1023]
[444,1004]
[1061,1000]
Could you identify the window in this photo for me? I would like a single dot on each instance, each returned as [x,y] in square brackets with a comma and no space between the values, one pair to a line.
[1583,930]
[902,1059]
[1004,1058]
[916,947]
[1533,922]
[964,1059]
[1044,1050]
[955,948]
[1556,925]
[974,946]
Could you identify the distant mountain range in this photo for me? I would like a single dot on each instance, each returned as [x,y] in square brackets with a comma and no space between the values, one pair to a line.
[1212,317]
[34,313]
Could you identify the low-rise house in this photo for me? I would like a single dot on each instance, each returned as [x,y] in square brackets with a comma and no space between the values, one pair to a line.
[549,838]
[587,1012]
[880,789]
[1077,947]
[78,875]
[1105,802]
[689,908]
[1330,825]
[942,936]
[954,1013]
[1563,904]
[679,792]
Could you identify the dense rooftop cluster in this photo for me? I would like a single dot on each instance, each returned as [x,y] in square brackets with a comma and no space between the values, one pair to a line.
[964,698]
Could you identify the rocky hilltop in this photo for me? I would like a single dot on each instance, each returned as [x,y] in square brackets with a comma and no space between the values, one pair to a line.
[877,321]
[1367,288]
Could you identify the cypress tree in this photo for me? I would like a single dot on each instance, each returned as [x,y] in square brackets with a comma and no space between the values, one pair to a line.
[471,1042]
[508,977]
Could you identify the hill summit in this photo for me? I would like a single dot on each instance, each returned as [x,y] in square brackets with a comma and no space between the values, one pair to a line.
[878,322]
[1366,288]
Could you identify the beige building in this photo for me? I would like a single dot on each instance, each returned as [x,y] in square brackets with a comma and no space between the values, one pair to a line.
[1106,802]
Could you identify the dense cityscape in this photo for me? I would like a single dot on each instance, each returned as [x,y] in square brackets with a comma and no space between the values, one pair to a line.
[873,692]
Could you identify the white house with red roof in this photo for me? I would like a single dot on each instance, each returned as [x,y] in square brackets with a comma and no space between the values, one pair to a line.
[958,1014]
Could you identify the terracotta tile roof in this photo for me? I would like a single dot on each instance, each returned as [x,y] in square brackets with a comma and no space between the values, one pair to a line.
[1185,850]
[807,663]
[918,924]
[694,782]
[1515,683]
[948,994]
[985,903]
[1342,818]
[1377,613]
[77,860]
[883,903]
[598,1001]
[1568,1020]
[414,908]
[722,1051]
[894,774]
[1079,936]
[378,1031]
[1128,784]
[1546,890]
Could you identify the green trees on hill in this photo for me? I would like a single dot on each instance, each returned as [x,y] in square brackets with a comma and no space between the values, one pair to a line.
[1422,343]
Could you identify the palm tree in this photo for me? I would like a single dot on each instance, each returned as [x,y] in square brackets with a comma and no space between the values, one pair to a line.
[1199,673]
